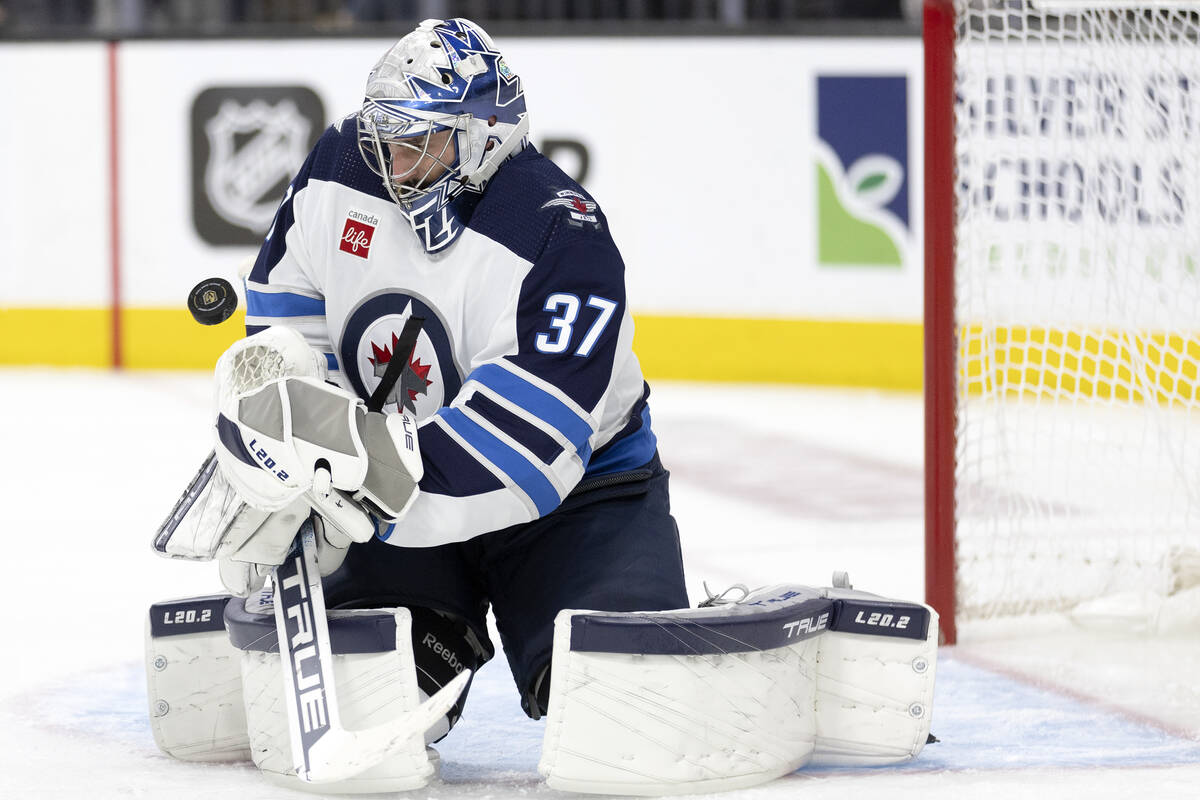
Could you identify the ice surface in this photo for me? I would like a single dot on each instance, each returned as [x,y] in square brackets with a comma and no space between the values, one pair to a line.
[817,480]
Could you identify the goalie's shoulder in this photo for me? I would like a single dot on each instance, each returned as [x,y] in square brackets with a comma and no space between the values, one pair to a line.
[336,159]
[531,207]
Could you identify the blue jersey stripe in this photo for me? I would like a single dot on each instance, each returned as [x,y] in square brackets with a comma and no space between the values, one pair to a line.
[634,451]
[521,431]
[282,304]
[536,401]
[450,469]
[331,362]
[520,469]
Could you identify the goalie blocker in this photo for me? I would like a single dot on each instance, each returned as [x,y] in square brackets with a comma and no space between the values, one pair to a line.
[670,702]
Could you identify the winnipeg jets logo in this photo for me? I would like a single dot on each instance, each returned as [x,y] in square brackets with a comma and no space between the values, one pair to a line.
[579,207]
[429,375]
[414,378]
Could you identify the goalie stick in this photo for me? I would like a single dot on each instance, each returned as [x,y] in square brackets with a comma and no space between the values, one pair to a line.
[322,750]
[402,352]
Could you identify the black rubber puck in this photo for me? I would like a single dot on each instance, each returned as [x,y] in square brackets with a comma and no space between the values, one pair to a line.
[212,301]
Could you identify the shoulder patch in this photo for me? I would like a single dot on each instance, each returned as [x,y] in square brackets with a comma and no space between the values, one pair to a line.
[582,210]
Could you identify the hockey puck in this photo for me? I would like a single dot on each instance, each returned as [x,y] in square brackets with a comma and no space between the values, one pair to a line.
[212,301]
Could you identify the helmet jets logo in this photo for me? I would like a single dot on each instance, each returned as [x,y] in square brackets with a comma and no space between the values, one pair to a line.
[581,209]
[444,76]
[414,379]
[440,226]
[467,55]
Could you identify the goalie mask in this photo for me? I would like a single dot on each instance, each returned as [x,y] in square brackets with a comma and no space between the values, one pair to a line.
[442,111]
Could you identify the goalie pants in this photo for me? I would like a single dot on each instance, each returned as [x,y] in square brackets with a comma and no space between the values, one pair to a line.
[612,545]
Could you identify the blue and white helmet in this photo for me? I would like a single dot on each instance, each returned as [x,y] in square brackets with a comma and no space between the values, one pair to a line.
[447,75]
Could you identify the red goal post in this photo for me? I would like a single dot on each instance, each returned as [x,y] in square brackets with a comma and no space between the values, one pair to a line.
[940,338]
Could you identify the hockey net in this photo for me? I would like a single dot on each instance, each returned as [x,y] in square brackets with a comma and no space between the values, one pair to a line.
[1062,304]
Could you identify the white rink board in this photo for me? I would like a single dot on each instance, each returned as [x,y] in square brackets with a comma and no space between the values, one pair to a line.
[703,154]
[54,175]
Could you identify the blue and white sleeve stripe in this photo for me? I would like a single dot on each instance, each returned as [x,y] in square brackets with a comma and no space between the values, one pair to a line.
[301,309]
[280,304]
[517,466]
[532,439]
[539,404]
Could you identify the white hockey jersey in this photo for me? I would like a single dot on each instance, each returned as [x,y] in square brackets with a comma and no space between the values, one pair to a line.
[523,376]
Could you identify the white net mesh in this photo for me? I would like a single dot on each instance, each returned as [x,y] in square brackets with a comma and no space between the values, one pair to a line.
[1078,302]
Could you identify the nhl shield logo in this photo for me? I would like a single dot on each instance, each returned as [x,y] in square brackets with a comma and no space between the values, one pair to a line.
[247,144]
[238,180]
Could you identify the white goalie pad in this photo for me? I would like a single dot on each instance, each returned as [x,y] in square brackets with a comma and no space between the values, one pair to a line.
[194,682]
[875,677]
[374,671]
[712,699]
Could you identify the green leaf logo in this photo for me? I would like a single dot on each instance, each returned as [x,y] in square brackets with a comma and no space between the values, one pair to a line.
[870,182]
[876,179]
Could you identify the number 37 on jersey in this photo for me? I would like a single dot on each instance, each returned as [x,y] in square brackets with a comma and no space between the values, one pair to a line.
[562,334]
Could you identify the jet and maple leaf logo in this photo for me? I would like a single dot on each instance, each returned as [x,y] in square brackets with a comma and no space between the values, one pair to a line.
[414,379]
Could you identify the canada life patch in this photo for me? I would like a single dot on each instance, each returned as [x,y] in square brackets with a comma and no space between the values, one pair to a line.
[357,233]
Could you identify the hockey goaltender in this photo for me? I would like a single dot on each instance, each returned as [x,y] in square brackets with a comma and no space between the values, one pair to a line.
[437,410]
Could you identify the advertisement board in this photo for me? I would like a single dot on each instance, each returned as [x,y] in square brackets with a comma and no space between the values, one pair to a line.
[763,192]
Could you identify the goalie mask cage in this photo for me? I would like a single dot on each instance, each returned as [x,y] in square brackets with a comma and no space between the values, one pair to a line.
[1062,302]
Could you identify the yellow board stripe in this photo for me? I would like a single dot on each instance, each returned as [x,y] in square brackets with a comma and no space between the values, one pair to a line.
[59,337]
[880,354]
[837,353]
[168,338]
[1014,361]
